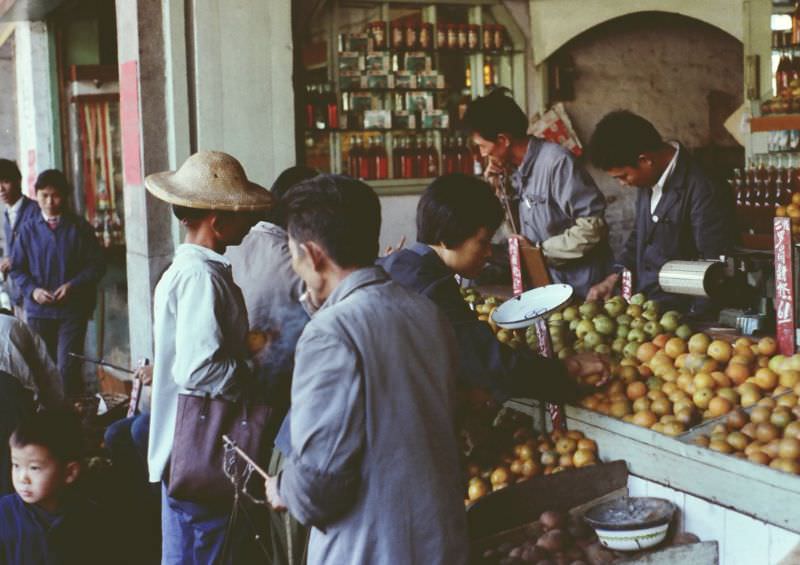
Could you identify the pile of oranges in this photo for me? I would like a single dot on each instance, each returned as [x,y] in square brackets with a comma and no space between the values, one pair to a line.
[672,384]
[791,211]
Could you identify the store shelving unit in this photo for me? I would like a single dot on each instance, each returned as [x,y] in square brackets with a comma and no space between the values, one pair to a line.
[331,146]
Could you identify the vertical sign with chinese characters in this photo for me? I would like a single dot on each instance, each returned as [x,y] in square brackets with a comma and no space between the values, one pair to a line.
[784,287]
[627,284]
[516,266]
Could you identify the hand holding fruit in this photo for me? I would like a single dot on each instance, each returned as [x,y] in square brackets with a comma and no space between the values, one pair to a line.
[604,289]
[585,364]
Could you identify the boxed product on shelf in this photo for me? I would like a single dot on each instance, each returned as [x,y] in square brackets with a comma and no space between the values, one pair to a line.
[349,80]
[377,119]
[404,120]
[378,79]
[405,80]
[419,101]
[354,42]
[417,62]
[379,61]
[435,119]
[361,101]
[430,79]
[351,61]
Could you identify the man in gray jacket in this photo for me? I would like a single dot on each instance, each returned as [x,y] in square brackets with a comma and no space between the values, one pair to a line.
[560,207]
[373,465]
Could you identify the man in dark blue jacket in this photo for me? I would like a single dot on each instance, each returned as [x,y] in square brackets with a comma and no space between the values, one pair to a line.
[19,209]
[57,263]
[680,212]
[456,219]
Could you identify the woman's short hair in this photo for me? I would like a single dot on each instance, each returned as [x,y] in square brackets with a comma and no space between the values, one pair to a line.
[454,207]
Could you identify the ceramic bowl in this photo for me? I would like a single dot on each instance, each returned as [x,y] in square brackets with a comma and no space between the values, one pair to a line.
[631,523]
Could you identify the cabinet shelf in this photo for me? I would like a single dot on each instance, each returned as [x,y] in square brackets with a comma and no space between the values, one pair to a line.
[401,90]
[774,122]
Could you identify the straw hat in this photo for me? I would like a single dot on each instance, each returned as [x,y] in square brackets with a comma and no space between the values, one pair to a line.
[210,180]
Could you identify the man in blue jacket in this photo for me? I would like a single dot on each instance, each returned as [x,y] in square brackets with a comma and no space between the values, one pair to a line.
[19,209]
[680,212]
[56,263]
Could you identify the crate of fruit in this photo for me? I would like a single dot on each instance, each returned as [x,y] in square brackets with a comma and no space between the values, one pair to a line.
[541,521]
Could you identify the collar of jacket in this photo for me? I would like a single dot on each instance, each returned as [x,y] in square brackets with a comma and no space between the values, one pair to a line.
[524,169]
[672,190]
[209,255]
[63,220]
[352,282]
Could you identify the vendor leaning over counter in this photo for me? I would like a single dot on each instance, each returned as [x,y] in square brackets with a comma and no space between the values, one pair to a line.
[560,207]
[457,216]
[680,212]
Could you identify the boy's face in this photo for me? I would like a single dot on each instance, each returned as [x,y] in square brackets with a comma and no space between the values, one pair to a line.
[38,477]
[51,201]
[10,191]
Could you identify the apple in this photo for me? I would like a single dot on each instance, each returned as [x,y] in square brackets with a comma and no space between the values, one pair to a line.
[630,349]
[683,331]
[603,325]
[636,335]
[615,307]
[638,298]
[622,331]
[584,327]
[653,328]
[589,310]
[670,321]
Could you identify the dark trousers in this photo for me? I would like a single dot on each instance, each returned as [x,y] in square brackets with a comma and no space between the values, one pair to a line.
[63,337]
[16,403]
[289,537]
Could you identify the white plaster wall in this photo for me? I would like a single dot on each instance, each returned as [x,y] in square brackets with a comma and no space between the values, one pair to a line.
[244,99]
[742,540]
[8,102]
[398,214]
[664,67]
[35,106]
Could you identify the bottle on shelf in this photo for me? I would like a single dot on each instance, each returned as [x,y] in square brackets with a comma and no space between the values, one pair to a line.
[432,157]
[465,159]
[449,159]
[397,152]
[783,75]
[366,166]
[380,160]
[407,160]
[354,157]
[331,108]
[796,24]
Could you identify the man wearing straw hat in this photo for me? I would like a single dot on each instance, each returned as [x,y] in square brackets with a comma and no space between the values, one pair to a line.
[200,327]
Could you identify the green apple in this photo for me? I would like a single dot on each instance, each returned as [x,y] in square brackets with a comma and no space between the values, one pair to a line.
[622,331]
[574,324]
[630,349]
[602,349]
[638,323]
[634,310]
[584,327]
[589,310]
[619,344]
[614,307]
[624,320]
[653,328]
[638,298]
[566,353]
[636,335]
[592,339]
[570,313]
[684,332]
[604,325]
[650,315]
[555,317]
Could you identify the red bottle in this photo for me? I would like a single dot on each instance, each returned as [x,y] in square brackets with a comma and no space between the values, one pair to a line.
[397,153]
[407,161]
[354,157]
[432,158]
[381,160]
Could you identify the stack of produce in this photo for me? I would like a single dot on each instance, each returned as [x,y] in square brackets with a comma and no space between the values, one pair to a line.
[513,455]
[769,434]
[672,384]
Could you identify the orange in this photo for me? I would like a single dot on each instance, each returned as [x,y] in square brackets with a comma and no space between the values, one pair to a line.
[720,350]
[796,198]
[646,351]
[738,373]
[719,406]
[766,379]
[675,347]
[636,390]
[699,343]
[767,346]
[661,340]
[780,212]
[645,418]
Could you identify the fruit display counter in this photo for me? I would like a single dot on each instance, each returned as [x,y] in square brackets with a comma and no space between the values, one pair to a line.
[767,494]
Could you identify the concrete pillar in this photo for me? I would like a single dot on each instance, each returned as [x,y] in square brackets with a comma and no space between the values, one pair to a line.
[37,121]
[144,150]
[241,82]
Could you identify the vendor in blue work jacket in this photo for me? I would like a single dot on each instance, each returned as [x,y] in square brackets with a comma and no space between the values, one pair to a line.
[680,212]
[56,263]
[560,207]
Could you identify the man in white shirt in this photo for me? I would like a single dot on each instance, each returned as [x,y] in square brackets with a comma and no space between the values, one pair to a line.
[681,213]
[200,328]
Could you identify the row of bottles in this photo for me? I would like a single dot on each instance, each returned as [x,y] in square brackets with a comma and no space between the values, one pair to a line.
[788,73]
[413,156]
[766,184]
[321,109]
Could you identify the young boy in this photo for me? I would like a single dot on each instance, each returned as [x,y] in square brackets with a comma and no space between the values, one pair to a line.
[56,262]
[45,521]
[200,328]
